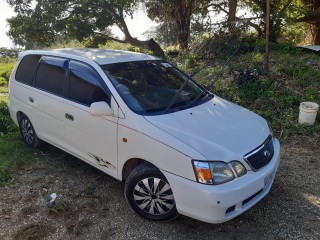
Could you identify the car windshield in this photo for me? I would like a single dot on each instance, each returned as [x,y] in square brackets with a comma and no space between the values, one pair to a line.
[153,87]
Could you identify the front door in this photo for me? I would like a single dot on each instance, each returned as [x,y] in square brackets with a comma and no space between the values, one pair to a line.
[91,138]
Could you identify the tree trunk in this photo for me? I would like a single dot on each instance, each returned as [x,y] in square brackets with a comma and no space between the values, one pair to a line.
[183,34]
[150,44]
[183,22]
[232,10]
[313,36]
[313,19]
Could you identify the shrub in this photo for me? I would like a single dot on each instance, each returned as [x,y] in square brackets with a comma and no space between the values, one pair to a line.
[5,71]
[6,124]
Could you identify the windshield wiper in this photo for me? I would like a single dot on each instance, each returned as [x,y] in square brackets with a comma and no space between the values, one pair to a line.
[176,95]
[216,79]
[199,96]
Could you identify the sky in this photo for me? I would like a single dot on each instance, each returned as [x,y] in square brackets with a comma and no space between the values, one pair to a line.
[5,12]
[137,25]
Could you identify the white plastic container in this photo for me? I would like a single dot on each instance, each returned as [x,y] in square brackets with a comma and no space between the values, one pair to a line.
[308,113]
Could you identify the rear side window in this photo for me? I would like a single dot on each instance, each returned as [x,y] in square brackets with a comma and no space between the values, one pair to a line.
[51,75]
[85,85]
[27,68]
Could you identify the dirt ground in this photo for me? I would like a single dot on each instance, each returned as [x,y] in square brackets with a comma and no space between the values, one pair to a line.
[91,205]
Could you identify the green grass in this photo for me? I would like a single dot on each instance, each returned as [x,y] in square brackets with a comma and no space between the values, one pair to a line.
[13,152]
[13,155]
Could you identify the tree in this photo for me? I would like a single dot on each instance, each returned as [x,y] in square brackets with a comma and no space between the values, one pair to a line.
[25,33]
[311,15]
[229,8]
[178,12]
[279,14]
[164,33]
[41,21]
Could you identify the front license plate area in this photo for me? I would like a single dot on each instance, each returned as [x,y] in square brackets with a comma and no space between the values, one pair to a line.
[268,179]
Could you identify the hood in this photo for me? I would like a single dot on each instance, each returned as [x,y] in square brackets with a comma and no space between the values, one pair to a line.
[217,129]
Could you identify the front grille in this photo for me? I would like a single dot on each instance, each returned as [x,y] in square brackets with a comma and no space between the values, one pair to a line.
[260,156]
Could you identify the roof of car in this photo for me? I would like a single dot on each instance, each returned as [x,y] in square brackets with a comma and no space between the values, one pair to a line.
[100,56]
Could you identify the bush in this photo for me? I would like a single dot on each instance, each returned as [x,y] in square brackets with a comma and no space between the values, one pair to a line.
[6,67]
[6,124]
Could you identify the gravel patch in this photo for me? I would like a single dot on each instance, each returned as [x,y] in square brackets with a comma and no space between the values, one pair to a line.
[91,205]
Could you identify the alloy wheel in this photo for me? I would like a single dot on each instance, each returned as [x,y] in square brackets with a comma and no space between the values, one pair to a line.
[153,196]
[27,131]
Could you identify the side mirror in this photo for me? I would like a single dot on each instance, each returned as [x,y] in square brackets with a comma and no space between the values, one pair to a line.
[100,109]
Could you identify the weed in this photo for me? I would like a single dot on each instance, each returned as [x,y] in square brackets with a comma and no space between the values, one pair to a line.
[60,208]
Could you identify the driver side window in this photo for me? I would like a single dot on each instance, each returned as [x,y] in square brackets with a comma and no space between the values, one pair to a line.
[85,85]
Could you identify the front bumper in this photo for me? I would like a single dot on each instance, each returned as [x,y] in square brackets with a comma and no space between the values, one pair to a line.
[220,203]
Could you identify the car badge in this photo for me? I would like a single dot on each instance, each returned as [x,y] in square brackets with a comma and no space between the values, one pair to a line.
[266,153]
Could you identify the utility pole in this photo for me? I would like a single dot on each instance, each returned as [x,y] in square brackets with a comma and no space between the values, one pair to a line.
[266,64]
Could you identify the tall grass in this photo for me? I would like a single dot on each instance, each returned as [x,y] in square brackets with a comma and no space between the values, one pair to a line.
[13,152]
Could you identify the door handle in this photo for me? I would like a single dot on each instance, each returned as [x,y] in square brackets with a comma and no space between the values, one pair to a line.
[69,117]
[31,99]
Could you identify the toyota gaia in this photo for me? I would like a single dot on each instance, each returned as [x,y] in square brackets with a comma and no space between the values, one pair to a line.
[178,148]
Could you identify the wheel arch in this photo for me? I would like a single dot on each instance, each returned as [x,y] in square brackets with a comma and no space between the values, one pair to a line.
[131,164]
[19,115]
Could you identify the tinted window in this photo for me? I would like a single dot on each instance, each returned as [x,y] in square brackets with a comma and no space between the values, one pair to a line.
[27,69]
[148,87]
[51,74]
[85,86]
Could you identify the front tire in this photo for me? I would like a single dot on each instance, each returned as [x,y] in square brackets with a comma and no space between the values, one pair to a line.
[28,133]
[149,194]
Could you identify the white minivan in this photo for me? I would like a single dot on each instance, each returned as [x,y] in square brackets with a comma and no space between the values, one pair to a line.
[178,148]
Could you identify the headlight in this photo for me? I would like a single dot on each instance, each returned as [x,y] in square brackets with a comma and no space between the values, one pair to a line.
[217,172]
[221,172]
[238,168]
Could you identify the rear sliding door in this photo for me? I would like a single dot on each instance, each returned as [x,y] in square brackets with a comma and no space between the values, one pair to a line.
[46,99]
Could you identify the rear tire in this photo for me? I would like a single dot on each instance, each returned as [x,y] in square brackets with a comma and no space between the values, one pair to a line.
[28,133]
[149,194]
